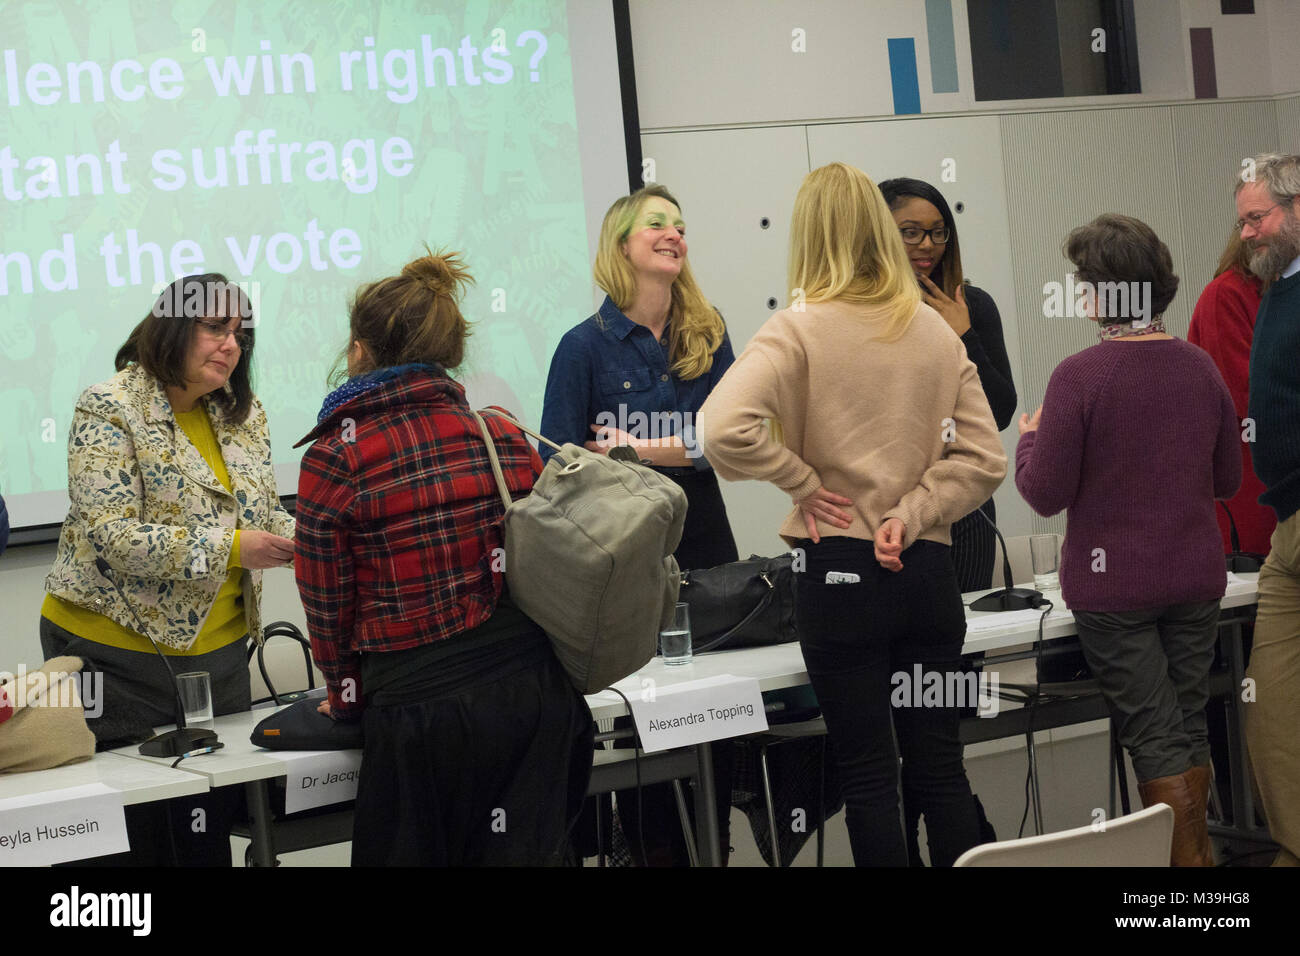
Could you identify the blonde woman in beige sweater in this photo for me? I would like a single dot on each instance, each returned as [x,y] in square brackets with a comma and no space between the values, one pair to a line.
[860,403]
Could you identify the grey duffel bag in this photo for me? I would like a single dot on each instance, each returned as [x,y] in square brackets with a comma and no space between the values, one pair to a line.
[589,557]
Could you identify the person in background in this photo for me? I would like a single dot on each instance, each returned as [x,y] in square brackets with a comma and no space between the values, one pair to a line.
[1269,223]
[1223,323]
[170,481]
[477,747]
[4,525]
[857,383]
[650,356]
[1135,439]
[929,232]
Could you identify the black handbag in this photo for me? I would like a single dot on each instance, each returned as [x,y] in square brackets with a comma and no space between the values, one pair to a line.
[300,727]
[741,604]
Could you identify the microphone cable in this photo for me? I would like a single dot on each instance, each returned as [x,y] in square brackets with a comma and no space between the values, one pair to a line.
[1033,707]
[636,765]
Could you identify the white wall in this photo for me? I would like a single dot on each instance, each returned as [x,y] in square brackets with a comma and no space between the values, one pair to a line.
[733,117]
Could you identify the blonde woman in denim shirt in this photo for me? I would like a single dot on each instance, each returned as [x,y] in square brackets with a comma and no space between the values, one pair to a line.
[637,373]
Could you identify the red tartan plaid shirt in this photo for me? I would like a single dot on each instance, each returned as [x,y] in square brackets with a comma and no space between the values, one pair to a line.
[399,539]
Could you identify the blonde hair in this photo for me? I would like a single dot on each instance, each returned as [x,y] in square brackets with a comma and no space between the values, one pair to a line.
[412,317]
[845,246]
[695,329]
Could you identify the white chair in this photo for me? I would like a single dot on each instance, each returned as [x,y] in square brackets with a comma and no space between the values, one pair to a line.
[1139,839]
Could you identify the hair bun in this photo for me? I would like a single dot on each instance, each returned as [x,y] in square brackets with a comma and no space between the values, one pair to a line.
[441,273]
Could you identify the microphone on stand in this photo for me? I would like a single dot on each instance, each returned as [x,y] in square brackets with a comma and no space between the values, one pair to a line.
[1242,561]
[1009,598]
[182,740]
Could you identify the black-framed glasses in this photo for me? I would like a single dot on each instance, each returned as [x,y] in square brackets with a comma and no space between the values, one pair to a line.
[914,235]
[217,331]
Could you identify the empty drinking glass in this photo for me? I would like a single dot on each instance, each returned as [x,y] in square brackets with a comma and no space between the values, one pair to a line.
[1045,553]
[196,698]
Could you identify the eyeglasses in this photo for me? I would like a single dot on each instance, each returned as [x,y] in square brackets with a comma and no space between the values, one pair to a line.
[914,236]
[1255,218]
[217,332]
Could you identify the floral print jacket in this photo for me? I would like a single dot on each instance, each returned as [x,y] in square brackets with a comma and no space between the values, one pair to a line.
[144,498]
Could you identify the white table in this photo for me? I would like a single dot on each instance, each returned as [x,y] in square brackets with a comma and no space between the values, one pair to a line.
[134,781]
[137,781]
[776,667]
[238,762]
[1019,627]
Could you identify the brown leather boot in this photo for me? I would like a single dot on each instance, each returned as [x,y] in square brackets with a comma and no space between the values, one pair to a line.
[1199,781]
[1191,844]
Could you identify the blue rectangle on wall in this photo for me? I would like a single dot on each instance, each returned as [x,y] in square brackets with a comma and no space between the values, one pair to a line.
[943,46]
[902,75]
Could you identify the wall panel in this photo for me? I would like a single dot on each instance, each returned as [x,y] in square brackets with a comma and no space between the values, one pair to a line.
[1210,141]
[1062,170]
[729,182]
[1288,124]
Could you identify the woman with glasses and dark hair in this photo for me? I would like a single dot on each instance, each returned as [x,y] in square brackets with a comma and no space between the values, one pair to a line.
[930,235]
[1135,439]
[170,481]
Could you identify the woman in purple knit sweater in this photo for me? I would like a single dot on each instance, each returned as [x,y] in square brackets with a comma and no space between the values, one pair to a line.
[1135,439]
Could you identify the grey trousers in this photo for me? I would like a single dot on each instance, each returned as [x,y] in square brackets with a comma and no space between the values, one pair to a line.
[138,694]
[1154,670]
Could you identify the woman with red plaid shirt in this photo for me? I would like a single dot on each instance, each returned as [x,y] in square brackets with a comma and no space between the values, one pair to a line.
[477,747]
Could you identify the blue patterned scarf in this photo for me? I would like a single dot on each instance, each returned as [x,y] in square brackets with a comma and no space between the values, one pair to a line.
[360,384]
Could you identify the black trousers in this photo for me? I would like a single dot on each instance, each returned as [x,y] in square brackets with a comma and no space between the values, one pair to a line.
[974,549]
[864,642]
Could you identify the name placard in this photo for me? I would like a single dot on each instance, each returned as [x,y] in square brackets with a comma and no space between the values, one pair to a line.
[58,826]
[693,712]
[318,778]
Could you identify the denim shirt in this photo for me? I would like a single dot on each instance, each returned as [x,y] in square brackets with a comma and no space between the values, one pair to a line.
[619,375]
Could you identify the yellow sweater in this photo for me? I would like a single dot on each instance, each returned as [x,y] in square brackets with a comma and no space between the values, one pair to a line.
[225,623]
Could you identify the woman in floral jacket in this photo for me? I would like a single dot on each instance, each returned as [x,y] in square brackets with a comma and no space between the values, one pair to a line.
[170,481]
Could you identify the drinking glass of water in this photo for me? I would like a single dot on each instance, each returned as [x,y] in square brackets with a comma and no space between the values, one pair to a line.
[675,639]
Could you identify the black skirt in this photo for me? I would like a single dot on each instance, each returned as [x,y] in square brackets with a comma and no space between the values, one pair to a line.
[477,753]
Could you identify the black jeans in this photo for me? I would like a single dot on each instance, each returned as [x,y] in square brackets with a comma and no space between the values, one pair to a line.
[862,643]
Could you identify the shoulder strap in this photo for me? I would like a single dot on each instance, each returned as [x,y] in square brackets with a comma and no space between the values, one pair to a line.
[496,462]
[523,428]
[764,602]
